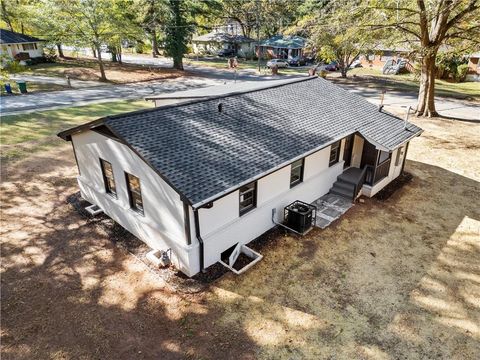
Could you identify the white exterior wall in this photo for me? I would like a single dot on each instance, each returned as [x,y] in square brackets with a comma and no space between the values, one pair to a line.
[12,49]
[162,226]
[221,226]
[393,173]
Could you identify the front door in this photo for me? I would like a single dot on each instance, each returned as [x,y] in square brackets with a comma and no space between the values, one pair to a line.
[347,152]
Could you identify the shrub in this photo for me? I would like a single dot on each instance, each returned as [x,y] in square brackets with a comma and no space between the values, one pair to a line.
[462,71]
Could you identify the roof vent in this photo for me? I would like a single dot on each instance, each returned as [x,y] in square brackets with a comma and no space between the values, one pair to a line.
[220,107]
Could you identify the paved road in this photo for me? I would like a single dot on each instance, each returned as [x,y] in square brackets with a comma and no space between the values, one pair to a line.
[398,103]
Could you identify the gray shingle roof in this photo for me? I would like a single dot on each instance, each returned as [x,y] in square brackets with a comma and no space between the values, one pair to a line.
[10,37]
[221,38]
[281,41]
[203,153]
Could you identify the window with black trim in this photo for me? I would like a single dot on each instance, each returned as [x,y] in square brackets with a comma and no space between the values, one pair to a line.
[296,173]
[334,153]
[134,193]
[248,197]
[108,179]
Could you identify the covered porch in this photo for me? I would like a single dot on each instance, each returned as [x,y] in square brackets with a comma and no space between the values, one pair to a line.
[367,167]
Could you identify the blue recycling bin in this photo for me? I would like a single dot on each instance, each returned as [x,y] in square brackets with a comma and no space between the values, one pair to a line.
[8,88]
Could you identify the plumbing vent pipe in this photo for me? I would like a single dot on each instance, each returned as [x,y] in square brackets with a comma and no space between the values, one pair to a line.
[220,107]
[406,117]
[380,107]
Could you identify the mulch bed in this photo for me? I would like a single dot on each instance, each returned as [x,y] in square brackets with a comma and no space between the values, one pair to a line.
[393,186]
[174,278]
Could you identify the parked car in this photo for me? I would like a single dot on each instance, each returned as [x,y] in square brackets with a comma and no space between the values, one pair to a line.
[226,53]
[297,61]
[333,66]
[280,63]
[356,64]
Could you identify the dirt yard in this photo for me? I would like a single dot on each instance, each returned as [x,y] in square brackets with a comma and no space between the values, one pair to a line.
[87,69]
[394,279]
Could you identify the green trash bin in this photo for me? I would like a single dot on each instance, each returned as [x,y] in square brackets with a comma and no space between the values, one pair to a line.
[22,86]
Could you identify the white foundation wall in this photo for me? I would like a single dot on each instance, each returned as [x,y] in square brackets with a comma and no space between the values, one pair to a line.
[221,226]
[162,226]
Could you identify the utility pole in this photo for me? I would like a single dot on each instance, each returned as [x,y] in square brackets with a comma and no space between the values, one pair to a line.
[257,11]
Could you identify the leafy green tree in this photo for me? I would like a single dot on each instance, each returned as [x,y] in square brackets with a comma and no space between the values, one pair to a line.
[181,22]
[428,27]
[333,36]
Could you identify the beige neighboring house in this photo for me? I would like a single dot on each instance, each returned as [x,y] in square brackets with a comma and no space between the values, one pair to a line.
[226,37]
[18,46]
[474,67]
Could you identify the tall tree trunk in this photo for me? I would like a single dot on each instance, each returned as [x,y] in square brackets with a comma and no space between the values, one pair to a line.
[94,52]
[60,50]
[100,64]
[178,53]
[426,94]
[155,51]
[119,53]
[113,53]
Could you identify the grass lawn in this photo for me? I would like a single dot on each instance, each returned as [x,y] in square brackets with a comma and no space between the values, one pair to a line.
[34,87]
[23,134]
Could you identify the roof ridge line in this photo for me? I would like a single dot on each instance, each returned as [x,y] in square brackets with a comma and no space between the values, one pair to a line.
[209,98]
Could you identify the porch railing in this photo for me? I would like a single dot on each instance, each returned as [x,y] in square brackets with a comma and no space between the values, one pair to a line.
[360,182]
[375,174]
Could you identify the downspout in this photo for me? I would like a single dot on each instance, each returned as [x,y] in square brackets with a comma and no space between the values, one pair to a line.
[199,237]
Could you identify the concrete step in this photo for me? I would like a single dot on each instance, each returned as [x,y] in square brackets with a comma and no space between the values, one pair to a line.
[344,185]
[351,175]
[341,192]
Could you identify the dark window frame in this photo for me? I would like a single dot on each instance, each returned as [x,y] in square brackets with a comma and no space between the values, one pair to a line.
[254,201]
[334,147]
[385,160]
[109,189]
[132,193]
[300,164]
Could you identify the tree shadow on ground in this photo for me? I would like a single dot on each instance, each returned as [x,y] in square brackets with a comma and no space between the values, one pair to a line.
[68,292]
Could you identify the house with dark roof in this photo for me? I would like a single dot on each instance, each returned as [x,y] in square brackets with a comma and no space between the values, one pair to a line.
[228,37]
[19,46]
[282,47]
[200,178]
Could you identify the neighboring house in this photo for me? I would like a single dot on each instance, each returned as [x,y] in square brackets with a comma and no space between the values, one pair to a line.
[473,67]
[216,41]
[282,47]
[15,45]
[227,36]
[203,176]
[380,55]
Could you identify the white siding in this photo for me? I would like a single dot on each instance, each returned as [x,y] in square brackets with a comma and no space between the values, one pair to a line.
[221,225]
[162,226]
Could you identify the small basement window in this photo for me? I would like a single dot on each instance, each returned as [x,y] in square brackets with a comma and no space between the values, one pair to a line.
[296,173]
[248,197]
[108,179]
[334,153]
[134,193]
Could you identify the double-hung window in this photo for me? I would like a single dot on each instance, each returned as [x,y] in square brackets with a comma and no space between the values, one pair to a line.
[27,47]
[134,193]
[108,179]
[248,197]
[296,173]
[334,153]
